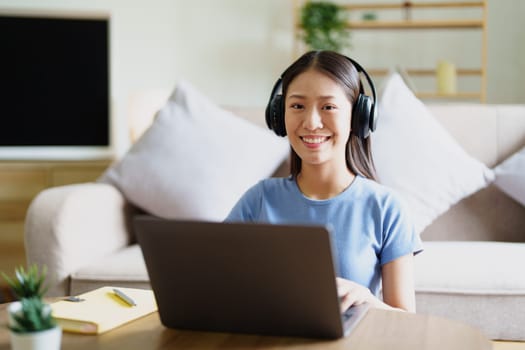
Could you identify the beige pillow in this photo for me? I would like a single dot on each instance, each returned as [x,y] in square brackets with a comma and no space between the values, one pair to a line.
[415,155]
[196,159]
[510,176]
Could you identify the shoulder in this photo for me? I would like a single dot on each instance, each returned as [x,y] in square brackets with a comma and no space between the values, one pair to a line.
[274,184]
[269,188]
[372,190]
[256,198]
[388,203]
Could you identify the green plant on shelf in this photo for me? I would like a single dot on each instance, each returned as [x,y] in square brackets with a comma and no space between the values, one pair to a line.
[324,26]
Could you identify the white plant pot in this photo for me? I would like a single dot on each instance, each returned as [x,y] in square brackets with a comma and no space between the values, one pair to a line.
[49,339]
[44,340]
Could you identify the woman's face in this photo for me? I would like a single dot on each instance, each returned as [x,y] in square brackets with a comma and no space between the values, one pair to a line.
[317,119]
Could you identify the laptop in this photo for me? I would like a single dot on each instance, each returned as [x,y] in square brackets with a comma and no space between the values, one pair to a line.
[244,278]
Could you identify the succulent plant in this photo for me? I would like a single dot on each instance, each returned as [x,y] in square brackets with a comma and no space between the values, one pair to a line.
[28,283]
[34,316]
[28,286]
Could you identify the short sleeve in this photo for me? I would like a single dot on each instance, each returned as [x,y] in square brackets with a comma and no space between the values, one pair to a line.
[247,207]
[399,235]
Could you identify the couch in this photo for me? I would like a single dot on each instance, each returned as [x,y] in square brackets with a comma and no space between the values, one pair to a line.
[470,269]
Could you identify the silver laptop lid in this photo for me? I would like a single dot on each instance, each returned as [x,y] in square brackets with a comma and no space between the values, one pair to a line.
[242,277]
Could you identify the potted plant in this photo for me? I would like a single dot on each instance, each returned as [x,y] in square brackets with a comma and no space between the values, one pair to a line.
[324,26]
[30,320]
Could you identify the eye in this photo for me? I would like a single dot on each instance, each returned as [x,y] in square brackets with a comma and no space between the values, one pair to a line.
[296,106]
[329,108]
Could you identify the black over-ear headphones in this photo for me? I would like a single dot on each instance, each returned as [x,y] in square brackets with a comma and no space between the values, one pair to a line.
[364,111]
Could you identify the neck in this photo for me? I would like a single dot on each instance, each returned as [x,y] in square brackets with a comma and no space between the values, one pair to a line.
[322,183]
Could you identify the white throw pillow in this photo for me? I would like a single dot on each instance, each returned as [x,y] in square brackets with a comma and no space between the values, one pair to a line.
[196,159]
[415,155]
[510,176]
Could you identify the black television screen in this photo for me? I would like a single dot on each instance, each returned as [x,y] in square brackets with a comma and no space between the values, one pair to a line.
[54,81]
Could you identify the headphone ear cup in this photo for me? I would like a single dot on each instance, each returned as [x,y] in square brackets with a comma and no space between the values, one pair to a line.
[373,117]
[275,115]
[361,116]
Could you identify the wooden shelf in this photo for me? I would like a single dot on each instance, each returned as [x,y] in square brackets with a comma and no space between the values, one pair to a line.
[417,24]
[427,72]
[413,5]
[408,22]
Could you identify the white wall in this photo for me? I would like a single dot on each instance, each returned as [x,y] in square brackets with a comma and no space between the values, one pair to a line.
[506,52]
[234,50]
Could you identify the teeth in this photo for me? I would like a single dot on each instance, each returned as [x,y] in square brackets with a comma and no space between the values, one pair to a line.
[314,139]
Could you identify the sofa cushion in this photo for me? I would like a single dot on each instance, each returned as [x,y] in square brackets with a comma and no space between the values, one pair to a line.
[126,269]
[474,282]
[510,176]
[196,159]
[415,155]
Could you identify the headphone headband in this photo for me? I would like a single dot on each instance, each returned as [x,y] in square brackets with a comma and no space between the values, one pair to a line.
[360,69]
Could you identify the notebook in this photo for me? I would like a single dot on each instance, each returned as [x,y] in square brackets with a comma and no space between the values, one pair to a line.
[102,309]
[244,277]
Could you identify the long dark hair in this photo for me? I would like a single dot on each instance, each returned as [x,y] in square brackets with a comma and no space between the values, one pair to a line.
[339,68]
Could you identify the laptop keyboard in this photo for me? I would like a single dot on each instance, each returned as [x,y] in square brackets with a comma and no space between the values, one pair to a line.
[356,310]
[353,315]
[348,313]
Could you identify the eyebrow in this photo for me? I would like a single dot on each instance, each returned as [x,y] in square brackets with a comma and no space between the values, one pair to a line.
[327,97]
[297,96]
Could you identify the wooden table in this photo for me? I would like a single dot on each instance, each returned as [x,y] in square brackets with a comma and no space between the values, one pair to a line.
[379,329]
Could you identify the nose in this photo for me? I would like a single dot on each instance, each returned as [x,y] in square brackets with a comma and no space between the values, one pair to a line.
[312,120]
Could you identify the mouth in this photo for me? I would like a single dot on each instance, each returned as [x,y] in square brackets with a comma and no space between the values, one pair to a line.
[314,140]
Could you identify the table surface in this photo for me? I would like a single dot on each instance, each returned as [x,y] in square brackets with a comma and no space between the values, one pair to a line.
[379,329]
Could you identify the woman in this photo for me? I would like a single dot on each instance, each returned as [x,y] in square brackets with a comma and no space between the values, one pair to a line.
[327,118]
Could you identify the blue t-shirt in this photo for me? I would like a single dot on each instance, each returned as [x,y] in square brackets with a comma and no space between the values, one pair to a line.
[369,225]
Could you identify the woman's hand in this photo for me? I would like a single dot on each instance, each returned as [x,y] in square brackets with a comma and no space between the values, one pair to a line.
[398,288]
[352,293]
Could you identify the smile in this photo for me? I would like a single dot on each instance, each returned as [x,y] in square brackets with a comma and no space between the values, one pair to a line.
[314,139]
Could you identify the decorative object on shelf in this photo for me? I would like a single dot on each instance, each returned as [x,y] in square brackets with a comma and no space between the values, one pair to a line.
[446,77]
[324,26]
[369,16]
[32,325]
[407,5]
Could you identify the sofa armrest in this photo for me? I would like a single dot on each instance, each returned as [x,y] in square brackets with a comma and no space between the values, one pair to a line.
[69,227]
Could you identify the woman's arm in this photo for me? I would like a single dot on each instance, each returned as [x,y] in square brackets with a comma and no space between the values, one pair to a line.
[398,288]
[398,283]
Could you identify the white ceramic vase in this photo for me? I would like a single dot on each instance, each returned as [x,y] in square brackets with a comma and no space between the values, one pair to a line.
[49,339]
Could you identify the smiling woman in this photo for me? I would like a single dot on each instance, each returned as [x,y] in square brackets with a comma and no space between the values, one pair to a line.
[328,119]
